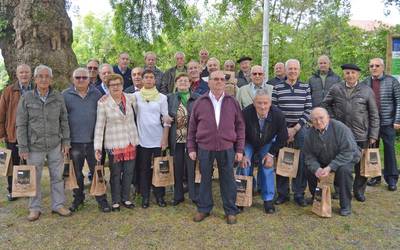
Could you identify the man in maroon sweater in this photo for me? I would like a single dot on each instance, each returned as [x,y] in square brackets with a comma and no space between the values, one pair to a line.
[216,131]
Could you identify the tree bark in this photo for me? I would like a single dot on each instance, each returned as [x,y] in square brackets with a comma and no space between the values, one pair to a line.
[38,32]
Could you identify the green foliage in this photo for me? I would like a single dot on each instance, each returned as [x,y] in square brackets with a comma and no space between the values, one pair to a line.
[3,74]
[3,27]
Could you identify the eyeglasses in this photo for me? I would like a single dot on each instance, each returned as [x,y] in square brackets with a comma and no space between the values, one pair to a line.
[115,85]
[257,74]
[81,77]
[218,79]
[92,68]
[374,66]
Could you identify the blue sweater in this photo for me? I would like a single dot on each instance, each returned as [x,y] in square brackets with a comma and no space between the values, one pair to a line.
[82,113]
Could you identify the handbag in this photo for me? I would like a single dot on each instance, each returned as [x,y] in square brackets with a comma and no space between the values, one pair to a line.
[24,180]
[99,185]
[70,182]
[5,162]
[288,162]
[163,171]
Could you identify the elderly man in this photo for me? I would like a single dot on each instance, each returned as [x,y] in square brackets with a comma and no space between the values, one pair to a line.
[81,103]
[246,93]
[203,59]
[93,67]
[294,99]
[168,81]
[322,80]
[353,103]
[243,76]
[105,70]
[229,65]
[122,69]
[212,65]
[217,135]
[280,74]
[197,84]
[137,80]
[8,110]
[43,133]
[150,61]
[266,133]
[387,96]
[330,147]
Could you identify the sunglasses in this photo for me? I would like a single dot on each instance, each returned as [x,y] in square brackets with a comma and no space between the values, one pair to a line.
[374,66]
[218,79]
[81,77]
[257,74]
[92,68]
[115,85]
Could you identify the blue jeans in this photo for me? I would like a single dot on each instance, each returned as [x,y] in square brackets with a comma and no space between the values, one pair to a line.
[266,176]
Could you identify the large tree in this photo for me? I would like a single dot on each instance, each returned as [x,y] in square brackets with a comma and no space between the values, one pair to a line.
[37,32]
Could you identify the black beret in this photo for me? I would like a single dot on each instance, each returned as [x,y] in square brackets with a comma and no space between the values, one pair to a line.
[350,66]
[244,58]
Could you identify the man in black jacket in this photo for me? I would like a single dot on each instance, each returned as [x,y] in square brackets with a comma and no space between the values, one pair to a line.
[266,133]
[330,147]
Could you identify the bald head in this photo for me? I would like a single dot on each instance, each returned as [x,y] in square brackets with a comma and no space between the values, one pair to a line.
[279,70]
[24,74]
[319,118]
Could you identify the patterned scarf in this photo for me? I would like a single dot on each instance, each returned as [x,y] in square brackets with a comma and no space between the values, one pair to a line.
[150,95]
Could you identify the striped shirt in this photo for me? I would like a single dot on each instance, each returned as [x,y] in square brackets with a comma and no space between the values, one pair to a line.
[294,101]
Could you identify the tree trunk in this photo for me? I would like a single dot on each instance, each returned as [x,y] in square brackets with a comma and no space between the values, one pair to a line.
[38,32]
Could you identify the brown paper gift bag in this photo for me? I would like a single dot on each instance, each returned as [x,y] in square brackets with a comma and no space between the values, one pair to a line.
[197,174]
[24,181]
[5,162]
[163,171]
[288,162]
[370,165]
[322,204]
[69,174]
[98,186]
[244,188]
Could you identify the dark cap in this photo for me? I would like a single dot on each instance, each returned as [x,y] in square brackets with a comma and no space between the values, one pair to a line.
[244,58]
[350,66]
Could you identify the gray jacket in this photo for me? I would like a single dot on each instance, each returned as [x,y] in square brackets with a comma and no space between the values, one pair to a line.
[168,81]
[318,91]
[389,109]
[42,126]
[336,147]
[357,110]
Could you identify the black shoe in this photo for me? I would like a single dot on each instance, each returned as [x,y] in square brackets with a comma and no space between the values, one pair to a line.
[241,208]
[359,197]
[345,211]
[116,207]
[128,204]
[145,202]
[301,201]
[281,199]
[104,207]
[161,202]
[335,196]
[392,187]
[177,202]
[11,198]
[269,207]
[374,181]
[76,205]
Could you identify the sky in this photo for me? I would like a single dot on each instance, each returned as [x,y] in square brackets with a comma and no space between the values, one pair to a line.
[360,9]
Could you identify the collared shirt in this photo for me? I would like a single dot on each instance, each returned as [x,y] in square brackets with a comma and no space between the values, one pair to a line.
[322,132]
[217,106]
[255,87]
[122,71]
[261,121]
[104,87]
[24,88]
[43,98]
[351,87]
[87,91]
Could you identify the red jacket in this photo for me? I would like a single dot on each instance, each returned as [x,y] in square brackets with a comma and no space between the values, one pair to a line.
[203,131]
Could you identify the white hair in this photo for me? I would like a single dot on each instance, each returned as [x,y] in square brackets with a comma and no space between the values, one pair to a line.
[106,65]
[42,67]
[291,61]
[380,60]
[85,70]
[179,53]
[262,92]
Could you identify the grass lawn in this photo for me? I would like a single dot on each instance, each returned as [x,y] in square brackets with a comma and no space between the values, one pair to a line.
[374,224]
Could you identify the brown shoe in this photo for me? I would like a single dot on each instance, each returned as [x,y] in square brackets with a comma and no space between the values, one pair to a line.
[62,211]
[200,216]
[231,219]
[33,215]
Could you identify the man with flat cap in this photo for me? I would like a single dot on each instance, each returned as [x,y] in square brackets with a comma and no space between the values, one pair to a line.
[330,147]
[353,103]
[243,76]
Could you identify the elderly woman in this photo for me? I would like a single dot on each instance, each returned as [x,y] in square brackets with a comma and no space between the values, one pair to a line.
[116,124]
[179,106]
[153,136]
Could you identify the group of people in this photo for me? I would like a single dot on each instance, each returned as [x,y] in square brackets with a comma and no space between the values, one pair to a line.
[133,115]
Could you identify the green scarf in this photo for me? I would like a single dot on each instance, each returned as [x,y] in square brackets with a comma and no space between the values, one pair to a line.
[150,95]
[184,95]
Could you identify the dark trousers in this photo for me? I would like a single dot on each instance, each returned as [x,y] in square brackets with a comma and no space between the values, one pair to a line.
[15,161]
[146,172]
[360,182]
[120,179]
[225,161]
[343,179]
[192,185]
[390,170]
[299,183]
[180,156]
[79,152]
